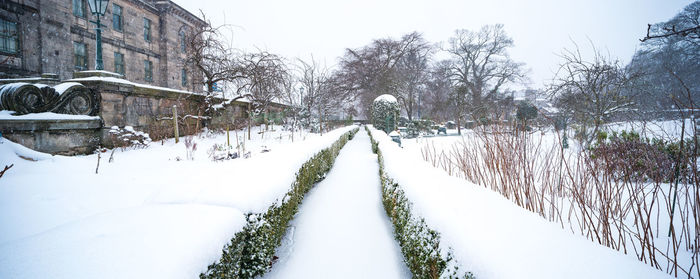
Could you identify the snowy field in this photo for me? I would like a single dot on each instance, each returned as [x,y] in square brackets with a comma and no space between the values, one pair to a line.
[560,210]
[491,236]
[149,214]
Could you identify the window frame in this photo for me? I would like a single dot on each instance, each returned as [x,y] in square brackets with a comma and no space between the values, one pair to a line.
[183,40]
[76,59]
[117,25]
[82,9]
[116,68]
[183,77]
[147,36]
[148,70]
[5,40]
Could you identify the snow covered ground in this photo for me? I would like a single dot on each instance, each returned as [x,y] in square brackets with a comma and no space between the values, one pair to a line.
[494,238]
[564,209]
[341,230]
[146,215]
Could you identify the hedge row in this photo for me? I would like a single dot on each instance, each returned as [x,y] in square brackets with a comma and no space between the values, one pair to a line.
[420,245]
[251,252]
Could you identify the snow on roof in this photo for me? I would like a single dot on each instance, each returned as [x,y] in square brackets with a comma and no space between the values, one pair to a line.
[386,98]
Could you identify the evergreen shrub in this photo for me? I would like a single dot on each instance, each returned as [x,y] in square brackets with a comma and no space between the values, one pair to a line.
[251,252]
[420,245]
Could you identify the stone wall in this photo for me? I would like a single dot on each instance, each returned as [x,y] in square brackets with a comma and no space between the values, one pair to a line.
[119,102]
[55,136]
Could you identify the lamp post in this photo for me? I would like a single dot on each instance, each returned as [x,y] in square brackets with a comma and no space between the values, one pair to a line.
[98,9]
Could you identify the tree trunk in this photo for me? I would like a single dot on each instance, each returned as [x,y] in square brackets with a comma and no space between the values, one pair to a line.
[320,121]
[249,120]
[459,126]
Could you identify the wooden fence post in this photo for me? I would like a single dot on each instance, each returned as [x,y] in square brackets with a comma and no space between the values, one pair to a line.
[177,132]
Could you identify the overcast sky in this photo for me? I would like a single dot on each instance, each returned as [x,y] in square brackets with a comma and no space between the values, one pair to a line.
[539,28]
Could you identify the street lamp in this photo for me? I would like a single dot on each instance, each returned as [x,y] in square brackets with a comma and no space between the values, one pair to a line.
[98,9]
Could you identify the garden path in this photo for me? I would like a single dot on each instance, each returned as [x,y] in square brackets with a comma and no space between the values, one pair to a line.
[341,230]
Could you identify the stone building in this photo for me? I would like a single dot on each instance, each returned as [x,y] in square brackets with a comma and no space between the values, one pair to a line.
[144,40]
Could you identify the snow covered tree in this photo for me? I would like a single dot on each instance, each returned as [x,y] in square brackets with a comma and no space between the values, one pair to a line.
[385,111]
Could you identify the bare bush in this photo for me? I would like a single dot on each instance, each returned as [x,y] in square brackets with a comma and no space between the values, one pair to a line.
[617,194]
[190,146]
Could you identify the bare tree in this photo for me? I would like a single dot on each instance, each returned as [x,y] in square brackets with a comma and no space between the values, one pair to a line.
[315,79]
[439,90]
[670,63]
[211,56]
[208,52]
[264,76]
[591,91]
[373,70]
[412,75]
[481,68]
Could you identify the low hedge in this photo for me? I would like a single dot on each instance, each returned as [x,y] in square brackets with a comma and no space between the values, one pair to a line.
[420,245]
[251,252]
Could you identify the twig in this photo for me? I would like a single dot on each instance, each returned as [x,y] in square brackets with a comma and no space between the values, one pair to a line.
[98,160]
[6,168]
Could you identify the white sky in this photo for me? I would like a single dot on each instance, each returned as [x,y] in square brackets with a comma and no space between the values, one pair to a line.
[539,28]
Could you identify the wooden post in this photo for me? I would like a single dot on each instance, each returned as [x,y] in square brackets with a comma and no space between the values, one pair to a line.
[250,119]
[320,121]
[177,132]
[228,138]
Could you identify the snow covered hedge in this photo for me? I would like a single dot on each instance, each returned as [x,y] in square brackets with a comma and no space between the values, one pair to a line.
[420,245]
[251,252]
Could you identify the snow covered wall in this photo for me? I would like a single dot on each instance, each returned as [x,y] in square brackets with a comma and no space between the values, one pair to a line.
[494,238]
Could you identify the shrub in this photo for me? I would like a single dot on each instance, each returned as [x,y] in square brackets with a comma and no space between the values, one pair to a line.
[220,152]
[627,156]
[128,137]
[385,110]
[251,251]
[420,245]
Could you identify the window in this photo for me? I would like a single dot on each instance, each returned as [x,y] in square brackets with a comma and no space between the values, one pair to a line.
[119,63]
[148,70]
[147,29]
[183,76]
[9,37]
[80,56]
[117,17]
[79,8]
[182,40]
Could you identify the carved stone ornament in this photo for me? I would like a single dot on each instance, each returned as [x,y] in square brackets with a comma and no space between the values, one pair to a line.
[66,98]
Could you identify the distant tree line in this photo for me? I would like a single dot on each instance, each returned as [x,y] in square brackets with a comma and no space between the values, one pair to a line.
[470,77]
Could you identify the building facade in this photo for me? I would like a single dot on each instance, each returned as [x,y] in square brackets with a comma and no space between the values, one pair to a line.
[144,40]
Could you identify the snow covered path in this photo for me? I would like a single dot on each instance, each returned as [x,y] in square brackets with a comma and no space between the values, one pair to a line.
[341,230]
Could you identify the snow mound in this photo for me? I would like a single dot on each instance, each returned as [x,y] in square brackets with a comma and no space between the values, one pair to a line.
[10,151]
[386,98]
